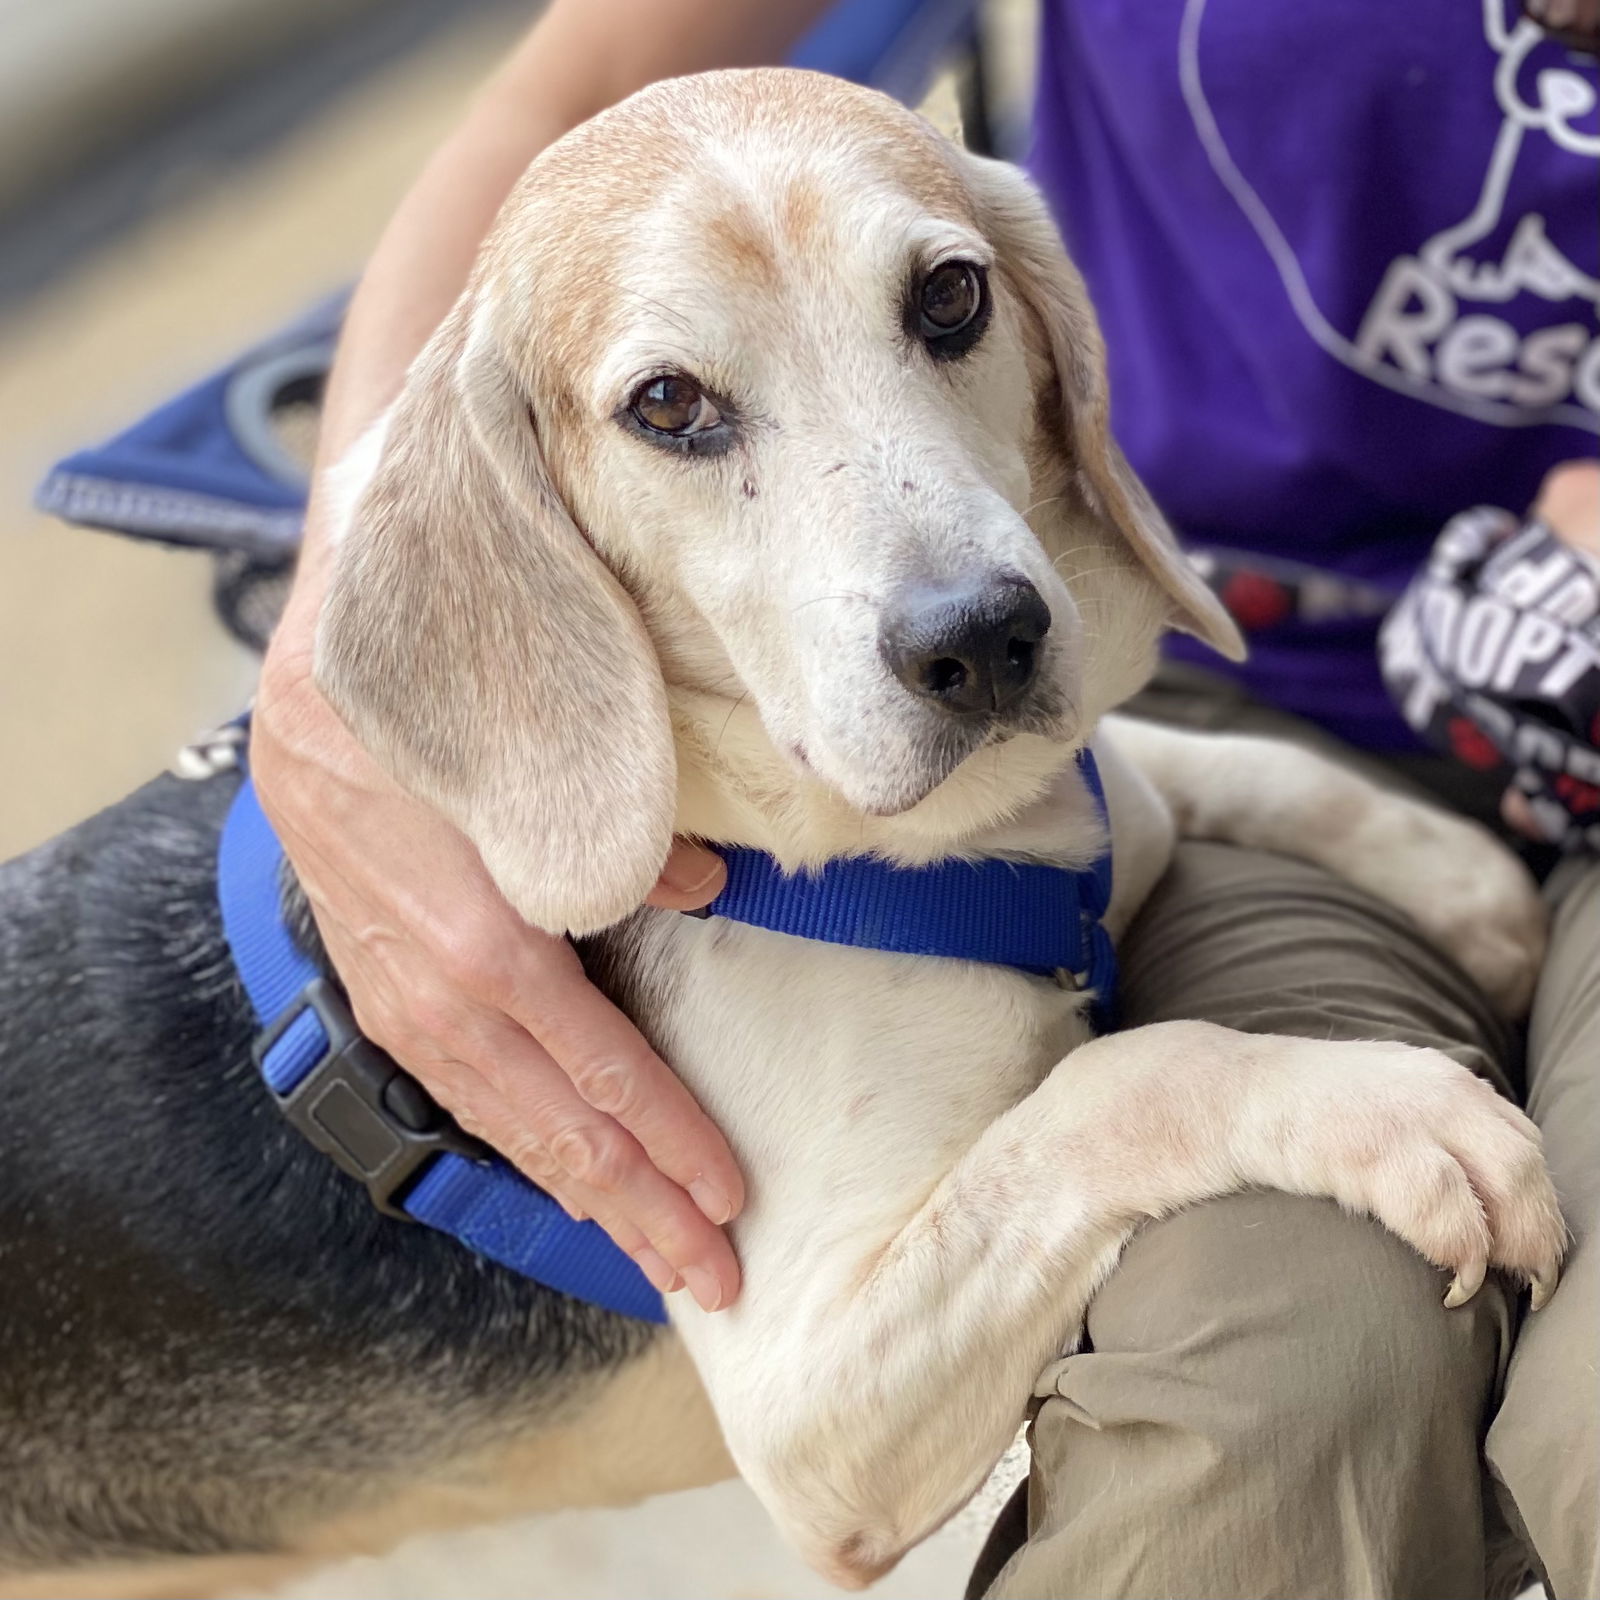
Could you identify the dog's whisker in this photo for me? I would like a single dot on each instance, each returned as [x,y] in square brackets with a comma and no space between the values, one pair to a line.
[863,599]
[727,721]
[1092,572]
[655,305]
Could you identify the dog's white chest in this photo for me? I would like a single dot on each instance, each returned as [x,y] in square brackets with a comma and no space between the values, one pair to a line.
[849,1080]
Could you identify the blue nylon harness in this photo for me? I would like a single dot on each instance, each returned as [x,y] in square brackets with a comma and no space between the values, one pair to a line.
[353,1103]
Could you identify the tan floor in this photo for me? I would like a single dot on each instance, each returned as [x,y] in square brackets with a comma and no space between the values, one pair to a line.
[110,658]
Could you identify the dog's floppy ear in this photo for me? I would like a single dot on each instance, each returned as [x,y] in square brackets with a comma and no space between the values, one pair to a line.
[1031,257]
[479,648]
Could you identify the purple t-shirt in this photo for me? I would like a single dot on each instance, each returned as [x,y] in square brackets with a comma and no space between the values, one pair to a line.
[1347,258]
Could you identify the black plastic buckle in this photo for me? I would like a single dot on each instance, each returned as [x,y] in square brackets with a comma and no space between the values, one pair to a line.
[374,1120]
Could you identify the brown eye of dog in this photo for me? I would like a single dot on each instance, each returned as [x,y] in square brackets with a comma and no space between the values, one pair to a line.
[952,296]
[949,309]
[674,406]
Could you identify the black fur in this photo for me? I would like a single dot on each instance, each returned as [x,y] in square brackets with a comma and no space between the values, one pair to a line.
[207,1334]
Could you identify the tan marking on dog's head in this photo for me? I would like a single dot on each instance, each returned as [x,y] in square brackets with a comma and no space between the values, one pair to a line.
[744,245]
[802,213]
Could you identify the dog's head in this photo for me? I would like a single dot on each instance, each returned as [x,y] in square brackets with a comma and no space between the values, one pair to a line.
[762,389]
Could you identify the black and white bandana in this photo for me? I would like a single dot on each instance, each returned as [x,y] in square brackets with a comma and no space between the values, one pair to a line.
[1493,655]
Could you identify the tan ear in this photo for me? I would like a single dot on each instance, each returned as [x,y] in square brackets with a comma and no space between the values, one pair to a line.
[1031,257]
[475,643]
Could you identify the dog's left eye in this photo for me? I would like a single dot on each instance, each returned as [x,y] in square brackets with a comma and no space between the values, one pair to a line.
[674,406]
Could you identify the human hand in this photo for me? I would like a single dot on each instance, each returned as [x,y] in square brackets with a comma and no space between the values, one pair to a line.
[495,1018]
[1569,504]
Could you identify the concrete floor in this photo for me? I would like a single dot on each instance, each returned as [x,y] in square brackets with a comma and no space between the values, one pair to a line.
[110,658]
[706,1544]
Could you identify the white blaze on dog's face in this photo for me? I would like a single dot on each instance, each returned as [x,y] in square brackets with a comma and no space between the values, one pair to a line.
[825,398]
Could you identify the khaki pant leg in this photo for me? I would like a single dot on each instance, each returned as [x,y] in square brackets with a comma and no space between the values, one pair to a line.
[1544,1447]
[1274,1402]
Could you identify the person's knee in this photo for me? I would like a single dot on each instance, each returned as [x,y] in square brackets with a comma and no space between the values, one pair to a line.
[1261,1365]
[1267,1312]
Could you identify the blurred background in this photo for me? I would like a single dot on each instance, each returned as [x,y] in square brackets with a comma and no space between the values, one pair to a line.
[178,178]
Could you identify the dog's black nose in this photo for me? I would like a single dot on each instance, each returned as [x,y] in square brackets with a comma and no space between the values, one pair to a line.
[971,646]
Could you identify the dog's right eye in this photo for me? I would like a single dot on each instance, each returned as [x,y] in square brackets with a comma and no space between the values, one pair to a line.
[674,406]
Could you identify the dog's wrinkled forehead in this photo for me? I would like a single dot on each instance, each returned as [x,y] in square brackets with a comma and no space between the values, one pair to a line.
[712,178]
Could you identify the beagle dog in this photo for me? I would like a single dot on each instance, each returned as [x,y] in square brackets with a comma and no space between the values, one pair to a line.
[757,488]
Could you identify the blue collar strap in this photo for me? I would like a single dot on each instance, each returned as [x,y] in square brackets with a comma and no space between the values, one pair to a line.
[378,1125]
[1042,919]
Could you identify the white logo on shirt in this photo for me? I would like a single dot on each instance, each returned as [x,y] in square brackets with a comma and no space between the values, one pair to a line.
[1423,332]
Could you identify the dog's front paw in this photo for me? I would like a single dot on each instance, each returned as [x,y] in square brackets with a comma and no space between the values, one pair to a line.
[1437,1156]
[1463,888]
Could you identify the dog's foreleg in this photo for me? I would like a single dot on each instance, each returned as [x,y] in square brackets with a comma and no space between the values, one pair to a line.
[865,1401]
[1463,888]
